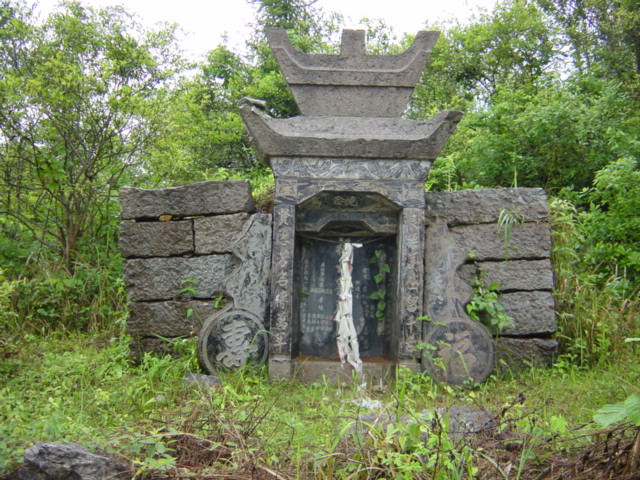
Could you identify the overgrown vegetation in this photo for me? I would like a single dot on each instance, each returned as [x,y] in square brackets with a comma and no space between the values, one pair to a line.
[89,101]
[83,388]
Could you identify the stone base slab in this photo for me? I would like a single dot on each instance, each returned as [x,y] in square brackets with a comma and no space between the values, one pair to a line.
[310,371]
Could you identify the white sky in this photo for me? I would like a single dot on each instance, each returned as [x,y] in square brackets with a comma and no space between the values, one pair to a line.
[206,21]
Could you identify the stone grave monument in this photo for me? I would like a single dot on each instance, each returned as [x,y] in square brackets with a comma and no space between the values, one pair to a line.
[350,170]
[357,271]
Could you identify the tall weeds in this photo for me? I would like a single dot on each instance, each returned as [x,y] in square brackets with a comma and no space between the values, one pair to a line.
[46,296]
[596,311]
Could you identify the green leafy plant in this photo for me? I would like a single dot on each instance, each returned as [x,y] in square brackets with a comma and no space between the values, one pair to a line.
[507,219]
[596,310]
[189,287]
[626,411]
[380,279]
[485,306]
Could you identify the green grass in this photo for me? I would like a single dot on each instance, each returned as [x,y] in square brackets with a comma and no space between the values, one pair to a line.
[82,388]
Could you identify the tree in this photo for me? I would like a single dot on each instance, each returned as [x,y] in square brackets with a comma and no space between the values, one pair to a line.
[512,47]
[612,220]
[206,132]
[81,97]
[604,35]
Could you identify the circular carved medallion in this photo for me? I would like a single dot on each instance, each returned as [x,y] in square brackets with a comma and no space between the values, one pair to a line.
[459,351]
[232,340]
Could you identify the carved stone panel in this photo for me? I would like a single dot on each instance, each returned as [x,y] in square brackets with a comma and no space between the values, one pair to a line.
[411,280]
[318,167]
[459,351]
[233,339]
[282,279]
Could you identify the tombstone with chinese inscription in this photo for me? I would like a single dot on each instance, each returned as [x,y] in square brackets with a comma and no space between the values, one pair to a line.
[358,270]
[347,276]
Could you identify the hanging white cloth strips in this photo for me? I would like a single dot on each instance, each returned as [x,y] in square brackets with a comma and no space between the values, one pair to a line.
[348,348]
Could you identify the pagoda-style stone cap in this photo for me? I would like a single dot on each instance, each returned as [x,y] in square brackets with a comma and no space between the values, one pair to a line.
[352,83]
[346,137]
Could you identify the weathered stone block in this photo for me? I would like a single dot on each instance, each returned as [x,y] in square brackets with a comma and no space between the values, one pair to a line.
[62,461]
[532,312]
[203,198]
[218,234]
[162,278]
[466,207]
[156,239]
[513,275]
[524,352]
[169,318]
[486,241]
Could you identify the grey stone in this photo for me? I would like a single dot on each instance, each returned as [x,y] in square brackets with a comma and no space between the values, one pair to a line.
[405,193]
[348,137]
[231,340]
[360,169]
[466,207]
[306,370]
[248,285]
[64,461]
[462,421]
[460,351]
[532,312]
[198,379]
[513,274]
[446,294]
[515,353]
[281,366]
[281,307]
[218,234]
[487,242]
[203,198]
[238,334]
[168,318]
[353,83]
[149,279]
[156,239]
[409,291]
[317,295]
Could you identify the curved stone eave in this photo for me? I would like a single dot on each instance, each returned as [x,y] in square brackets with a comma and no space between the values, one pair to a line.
[273,137]
[353,66]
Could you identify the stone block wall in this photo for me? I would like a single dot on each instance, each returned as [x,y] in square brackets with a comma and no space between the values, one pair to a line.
[522,266]
[199,253]
[191,252]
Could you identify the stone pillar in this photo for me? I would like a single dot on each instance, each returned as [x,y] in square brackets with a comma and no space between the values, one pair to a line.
[410,283]
[281,291]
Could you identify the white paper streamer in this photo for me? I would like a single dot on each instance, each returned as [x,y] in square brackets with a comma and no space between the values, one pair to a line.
[348,348]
